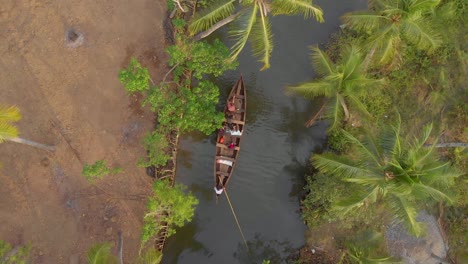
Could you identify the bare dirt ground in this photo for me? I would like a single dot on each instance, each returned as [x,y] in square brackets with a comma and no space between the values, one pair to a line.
[70,97]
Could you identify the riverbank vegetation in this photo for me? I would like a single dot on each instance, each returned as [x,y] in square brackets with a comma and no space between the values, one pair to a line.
[385,163]
[184,100]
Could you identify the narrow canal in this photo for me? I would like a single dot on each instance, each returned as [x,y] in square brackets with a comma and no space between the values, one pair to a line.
[268,179]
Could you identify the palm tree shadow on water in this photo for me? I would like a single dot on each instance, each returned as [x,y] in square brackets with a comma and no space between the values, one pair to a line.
[275,251]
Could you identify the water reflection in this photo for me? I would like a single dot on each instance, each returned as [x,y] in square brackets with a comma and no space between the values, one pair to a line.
[260,249]
[188,244]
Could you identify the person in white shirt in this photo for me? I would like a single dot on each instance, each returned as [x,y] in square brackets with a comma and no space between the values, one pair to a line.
[218,191]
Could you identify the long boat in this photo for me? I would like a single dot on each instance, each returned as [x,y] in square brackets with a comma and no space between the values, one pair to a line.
[229,137]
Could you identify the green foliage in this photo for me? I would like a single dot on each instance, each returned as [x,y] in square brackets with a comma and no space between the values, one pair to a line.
[201,58]
[151,256]
[100,254]
[251,23]
[10,256]
[192,108]
[156,147]
[169,206]
[337,141]
[179,24]
[323,192]
[135,78]
[344,83]
[171,5]
[391,170]
[366,248]
[98,170]
[390,25]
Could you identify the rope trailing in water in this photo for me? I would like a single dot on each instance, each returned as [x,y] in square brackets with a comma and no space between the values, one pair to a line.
[235,217]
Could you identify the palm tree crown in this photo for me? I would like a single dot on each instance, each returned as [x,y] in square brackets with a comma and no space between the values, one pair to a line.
[8,115]
[399,173]
[344,82]
[252,23]
[390,23]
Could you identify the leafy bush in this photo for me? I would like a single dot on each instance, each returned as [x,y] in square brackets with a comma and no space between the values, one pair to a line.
[135,78]
[98,170]
[168,206]
[155,144]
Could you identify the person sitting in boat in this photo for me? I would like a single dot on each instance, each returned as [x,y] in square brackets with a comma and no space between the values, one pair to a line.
[225,162]
[235,131]
[218,189]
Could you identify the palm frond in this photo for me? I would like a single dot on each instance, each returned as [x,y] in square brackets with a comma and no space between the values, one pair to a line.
[420,33]
[206,18]
[388,44]
[151,256]
[423,190]
[423,5]
[100,254]
[329,163]
[370,150]
[293,7]
[312,89]
[356,102]
[9,114]
[364,20]
[405,212]
[356,200]
[261,40]
[7,131]
[322,63]
[334,111]
[245,24]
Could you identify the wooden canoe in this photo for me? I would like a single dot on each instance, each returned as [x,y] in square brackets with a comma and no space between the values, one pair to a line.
[226,153]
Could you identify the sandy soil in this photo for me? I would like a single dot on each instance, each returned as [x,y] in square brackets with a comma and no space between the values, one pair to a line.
[70,97]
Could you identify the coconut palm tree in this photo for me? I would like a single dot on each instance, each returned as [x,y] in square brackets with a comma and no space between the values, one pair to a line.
[391,24]
[252,22]
[391,171]
[342,83]
[8,131]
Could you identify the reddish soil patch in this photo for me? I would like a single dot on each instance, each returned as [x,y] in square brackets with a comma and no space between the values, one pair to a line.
[67,89]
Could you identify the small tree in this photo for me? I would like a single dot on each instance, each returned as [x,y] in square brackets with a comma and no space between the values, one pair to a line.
[98,170]
[169,207]
[155,144]
[135,78]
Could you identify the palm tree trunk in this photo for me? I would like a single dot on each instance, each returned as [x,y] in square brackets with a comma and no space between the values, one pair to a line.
[368,59]
[345,108]
[120,246]
[221,23]
[449,145]
[32,143]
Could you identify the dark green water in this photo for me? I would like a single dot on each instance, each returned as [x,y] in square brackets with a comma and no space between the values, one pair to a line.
[267,183]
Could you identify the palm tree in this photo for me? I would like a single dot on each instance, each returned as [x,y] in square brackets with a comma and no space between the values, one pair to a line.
[252,22]
[392,171]
[101,254]
[392,23]
[11,114]
[342,83]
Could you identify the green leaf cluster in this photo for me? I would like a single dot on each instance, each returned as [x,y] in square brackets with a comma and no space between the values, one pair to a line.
[169,206]
[155,144]
[192,106]
[98,170]
[10,256]
[135,78]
